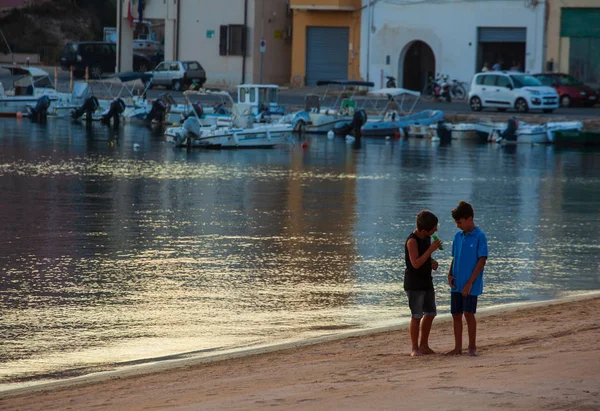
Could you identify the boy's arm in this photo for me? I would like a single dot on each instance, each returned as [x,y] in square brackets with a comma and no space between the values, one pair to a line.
[413,253]
[450,276]
[478,267]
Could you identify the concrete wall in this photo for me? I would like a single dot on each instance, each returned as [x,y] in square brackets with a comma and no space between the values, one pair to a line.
[195,36]
[557,48]
[450,30]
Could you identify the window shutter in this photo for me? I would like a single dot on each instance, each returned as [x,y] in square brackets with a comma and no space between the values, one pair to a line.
[223,40]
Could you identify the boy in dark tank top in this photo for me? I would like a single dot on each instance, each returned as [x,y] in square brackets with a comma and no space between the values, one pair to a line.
[418,282]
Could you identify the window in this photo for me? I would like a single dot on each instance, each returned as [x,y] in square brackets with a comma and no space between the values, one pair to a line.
[490,80]
[569,81]
[162,67]
[503,82]
[232,40]
[192,66]
[546,80]
[174,66]
[524,81]
[480,80]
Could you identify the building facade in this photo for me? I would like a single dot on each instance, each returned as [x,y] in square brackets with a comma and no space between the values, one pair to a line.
[236,41]
[415,40]
[326,40]
[573,39]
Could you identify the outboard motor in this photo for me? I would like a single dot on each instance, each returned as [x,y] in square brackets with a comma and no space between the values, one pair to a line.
[443,132]
[117,106]
[40,111]
[510,132]
[358,120]
[158,110]
[88,107]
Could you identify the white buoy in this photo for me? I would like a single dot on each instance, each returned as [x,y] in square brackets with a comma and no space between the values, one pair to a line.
[136,146]
[330,134]
[435,139]
[350,138]
[387,137]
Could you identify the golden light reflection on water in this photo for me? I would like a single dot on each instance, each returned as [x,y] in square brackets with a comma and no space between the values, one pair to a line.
[122,258]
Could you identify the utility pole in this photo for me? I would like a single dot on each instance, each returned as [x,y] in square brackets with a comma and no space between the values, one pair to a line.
[262,41]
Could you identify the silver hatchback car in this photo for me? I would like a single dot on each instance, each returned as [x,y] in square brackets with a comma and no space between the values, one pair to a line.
[178,74]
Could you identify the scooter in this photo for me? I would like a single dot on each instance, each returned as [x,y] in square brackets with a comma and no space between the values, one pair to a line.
[442,89]
[391,82]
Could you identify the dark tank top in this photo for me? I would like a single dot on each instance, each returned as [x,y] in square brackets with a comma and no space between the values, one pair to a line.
[418,278]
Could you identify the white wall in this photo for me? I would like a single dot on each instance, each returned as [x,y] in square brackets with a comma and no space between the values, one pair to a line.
[195,19]
[449,27]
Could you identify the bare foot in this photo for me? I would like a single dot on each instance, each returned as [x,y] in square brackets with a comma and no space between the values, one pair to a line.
[454,352]
[426,350]
[416,353]
[472,352]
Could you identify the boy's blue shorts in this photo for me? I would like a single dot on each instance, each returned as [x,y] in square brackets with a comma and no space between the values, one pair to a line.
[460,304]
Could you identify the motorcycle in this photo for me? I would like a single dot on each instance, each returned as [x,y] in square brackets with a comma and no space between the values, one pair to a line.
[438,89]
[391,82]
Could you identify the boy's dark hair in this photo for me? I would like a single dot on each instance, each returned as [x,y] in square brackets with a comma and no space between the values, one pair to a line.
[426,220]
[462,210]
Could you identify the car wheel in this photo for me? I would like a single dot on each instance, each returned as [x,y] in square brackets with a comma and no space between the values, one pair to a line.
[475,103]
[521,106]
[95,71]
[177,85]
[565,101]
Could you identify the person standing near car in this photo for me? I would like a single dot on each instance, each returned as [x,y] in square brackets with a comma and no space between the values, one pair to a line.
[498,65]
[485,67]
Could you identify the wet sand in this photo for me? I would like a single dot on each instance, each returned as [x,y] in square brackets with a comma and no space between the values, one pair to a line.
[539,356]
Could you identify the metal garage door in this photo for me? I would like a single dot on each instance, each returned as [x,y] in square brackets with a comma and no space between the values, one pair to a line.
[326,54]
[502,34]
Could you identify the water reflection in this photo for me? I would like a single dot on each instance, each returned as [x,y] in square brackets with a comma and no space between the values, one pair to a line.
[119,248]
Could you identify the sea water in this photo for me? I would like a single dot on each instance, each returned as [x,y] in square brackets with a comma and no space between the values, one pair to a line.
[119,249]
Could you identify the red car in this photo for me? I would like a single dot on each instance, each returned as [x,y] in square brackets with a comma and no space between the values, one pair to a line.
[570,90]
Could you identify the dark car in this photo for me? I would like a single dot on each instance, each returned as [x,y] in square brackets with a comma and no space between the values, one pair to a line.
[570,90]
[99,57]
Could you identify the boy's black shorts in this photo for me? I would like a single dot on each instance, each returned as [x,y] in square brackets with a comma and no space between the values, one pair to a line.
[421,302]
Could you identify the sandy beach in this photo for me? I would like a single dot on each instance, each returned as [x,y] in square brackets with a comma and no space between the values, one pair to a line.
[541,356]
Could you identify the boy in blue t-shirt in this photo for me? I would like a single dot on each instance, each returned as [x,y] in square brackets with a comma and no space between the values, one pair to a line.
[469,255]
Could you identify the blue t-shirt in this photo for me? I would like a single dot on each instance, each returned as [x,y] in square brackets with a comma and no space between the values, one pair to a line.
[466,251]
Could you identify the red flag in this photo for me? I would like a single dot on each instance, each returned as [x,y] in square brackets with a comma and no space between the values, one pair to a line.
[129,15]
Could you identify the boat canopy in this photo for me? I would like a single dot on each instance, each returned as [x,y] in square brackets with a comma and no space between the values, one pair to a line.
[258,86]
[132,76]
[394,92]
[223,95]
[345,83]
[25,71]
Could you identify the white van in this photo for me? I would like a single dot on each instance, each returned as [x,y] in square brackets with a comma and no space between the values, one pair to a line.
[504,90]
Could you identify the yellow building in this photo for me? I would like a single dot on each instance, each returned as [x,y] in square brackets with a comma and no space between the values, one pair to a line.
[573,39]
[325,40]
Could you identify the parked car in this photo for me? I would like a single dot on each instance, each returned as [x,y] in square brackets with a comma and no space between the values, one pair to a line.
[505,90]
[178,74]
[571,91]
[99,57]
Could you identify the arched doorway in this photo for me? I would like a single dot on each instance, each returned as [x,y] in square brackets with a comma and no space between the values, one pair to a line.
[418,64]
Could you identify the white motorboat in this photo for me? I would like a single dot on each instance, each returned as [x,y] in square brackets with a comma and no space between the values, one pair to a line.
[241,129]
[315,118]
[29,84]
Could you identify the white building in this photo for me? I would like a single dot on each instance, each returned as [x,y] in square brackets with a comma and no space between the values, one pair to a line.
[223,36]
[414,39]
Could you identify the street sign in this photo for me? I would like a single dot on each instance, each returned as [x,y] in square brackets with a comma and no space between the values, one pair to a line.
[263,46]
